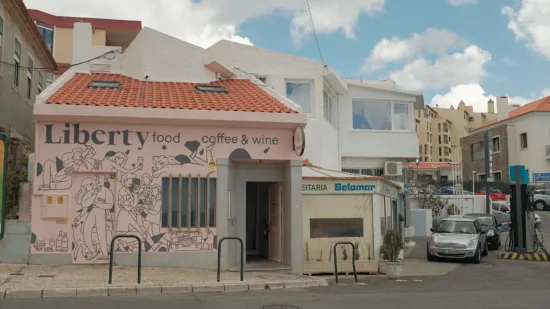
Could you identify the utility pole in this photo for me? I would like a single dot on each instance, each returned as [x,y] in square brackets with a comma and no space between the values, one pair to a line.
[488,169]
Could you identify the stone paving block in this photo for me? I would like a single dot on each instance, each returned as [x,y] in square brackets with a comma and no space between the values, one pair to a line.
[2,293]
[176,289]
[216,287]
[92,292]
[236,287]
[60,292]
[256,286]
[275,285]
[323,282]
[122,291]
[148,290]
[17,294]
[294,284]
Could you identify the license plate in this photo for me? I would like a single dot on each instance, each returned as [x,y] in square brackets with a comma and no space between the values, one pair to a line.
[450,252]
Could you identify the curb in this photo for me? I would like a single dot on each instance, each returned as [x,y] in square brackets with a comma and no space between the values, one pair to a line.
[535,257]
[156,289]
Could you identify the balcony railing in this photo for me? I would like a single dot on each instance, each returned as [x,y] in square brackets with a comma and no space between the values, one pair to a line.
[548,152]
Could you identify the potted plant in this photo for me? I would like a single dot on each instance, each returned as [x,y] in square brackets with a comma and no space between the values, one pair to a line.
[390,250]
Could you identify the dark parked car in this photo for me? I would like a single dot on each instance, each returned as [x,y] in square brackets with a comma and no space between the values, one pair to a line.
[493,227]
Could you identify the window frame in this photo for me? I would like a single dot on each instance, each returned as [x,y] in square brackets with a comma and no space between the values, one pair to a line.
[40,83]
[192,210]
[497,172]
[17,62]
[30,75]
[311,94]
[521,141]
[2,41]
[496,137]
[332,108]
[357,222]
[410,113]
[47,27]
[48,83]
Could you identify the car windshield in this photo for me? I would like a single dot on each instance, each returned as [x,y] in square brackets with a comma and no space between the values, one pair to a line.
[486,221]
[456,227]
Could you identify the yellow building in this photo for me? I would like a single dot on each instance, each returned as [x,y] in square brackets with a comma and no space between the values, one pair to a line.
[57,32]
[440,130]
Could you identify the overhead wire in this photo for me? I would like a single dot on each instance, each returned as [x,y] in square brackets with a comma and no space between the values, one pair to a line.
[312,24]
[104,56]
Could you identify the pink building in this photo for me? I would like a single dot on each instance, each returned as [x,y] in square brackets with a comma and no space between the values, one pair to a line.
[165,143]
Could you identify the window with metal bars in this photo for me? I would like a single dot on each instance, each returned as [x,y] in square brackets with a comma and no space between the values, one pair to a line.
[188,202]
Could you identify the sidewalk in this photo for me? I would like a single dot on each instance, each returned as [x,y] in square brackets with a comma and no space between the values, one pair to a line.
[25,281]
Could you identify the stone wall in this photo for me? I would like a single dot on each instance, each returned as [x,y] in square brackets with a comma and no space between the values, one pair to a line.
[500,159]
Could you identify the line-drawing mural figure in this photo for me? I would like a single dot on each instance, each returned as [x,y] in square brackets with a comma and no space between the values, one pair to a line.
[57,175]
[208,241]
[116,161]
[97,202]
[199,155]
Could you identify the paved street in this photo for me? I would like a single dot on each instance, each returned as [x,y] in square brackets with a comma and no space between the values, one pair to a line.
[492,284]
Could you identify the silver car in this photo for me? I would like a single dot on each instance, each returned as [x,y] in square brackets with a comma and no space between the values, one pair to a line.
[458,238]
[541,201]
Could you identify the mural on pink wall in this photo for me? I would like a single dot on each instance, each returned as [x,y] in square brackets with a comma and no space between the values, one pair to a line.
[114,182]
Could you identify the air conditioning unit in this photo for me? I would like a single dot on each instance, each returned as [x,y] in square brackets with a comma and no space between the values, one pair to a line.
[393,168]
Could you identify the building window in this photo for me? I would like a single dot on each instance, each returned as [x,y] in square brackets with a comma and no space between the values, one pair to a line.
[40,82]
[30,67]
[523,140]
[330,103]
[196,202]
[420,149]
[300,93]
[16,61]
[497,176]
[1,41]
[440,152]
[50,77]
[477,151]
[383,116]
[439,127]
[47,35]
[337,227]
[496,144]
[365,171]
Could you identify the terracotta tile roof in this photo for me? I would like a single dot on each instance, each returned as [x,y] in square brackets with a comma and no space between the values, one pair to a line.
[243,95]
[430,165]
[97,23]
[540,105]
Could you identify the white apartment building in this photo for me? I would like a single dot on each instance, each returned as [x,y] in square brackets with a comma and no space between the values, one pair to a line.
[354,125]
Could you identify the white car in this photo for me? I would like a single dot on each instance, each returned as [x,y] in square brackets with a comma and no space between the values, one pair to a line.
[502,210]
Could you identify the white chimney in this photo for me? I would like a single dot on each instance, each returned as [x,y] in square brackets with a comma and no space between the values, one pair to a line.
[502,107]
[82,46]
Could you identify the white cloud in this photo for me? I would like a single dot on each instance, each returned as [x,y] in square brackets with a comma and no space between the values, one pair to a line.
[473,94]
[204,23]
[432,41]
[461,2]
[446,71]
[531,23]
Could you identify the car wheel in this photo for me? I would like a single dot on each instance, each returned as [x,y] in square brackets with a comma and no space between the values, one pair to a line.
[485,251]
[477,257]
[540,205]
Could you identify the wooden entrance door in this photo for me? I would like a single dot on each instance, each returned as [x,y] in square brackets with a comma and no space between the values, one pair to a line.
[276,222]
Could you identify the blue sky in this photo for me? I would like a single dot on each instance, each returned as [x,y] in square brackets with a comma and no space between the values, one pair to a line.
[450,50]
[514,69]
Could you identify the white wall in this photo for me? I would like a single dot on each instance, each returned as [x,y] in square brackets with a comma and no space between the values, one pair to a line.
[537,127]
[376,144]
[321,137]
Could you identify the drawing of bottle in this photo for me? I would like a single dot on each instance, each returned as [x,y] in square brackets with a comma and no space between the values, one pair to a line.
[65,243]
[58,241]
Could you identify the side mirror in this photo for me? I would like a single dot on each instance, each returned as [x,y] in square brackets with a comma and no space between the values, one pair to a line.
[432,230]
